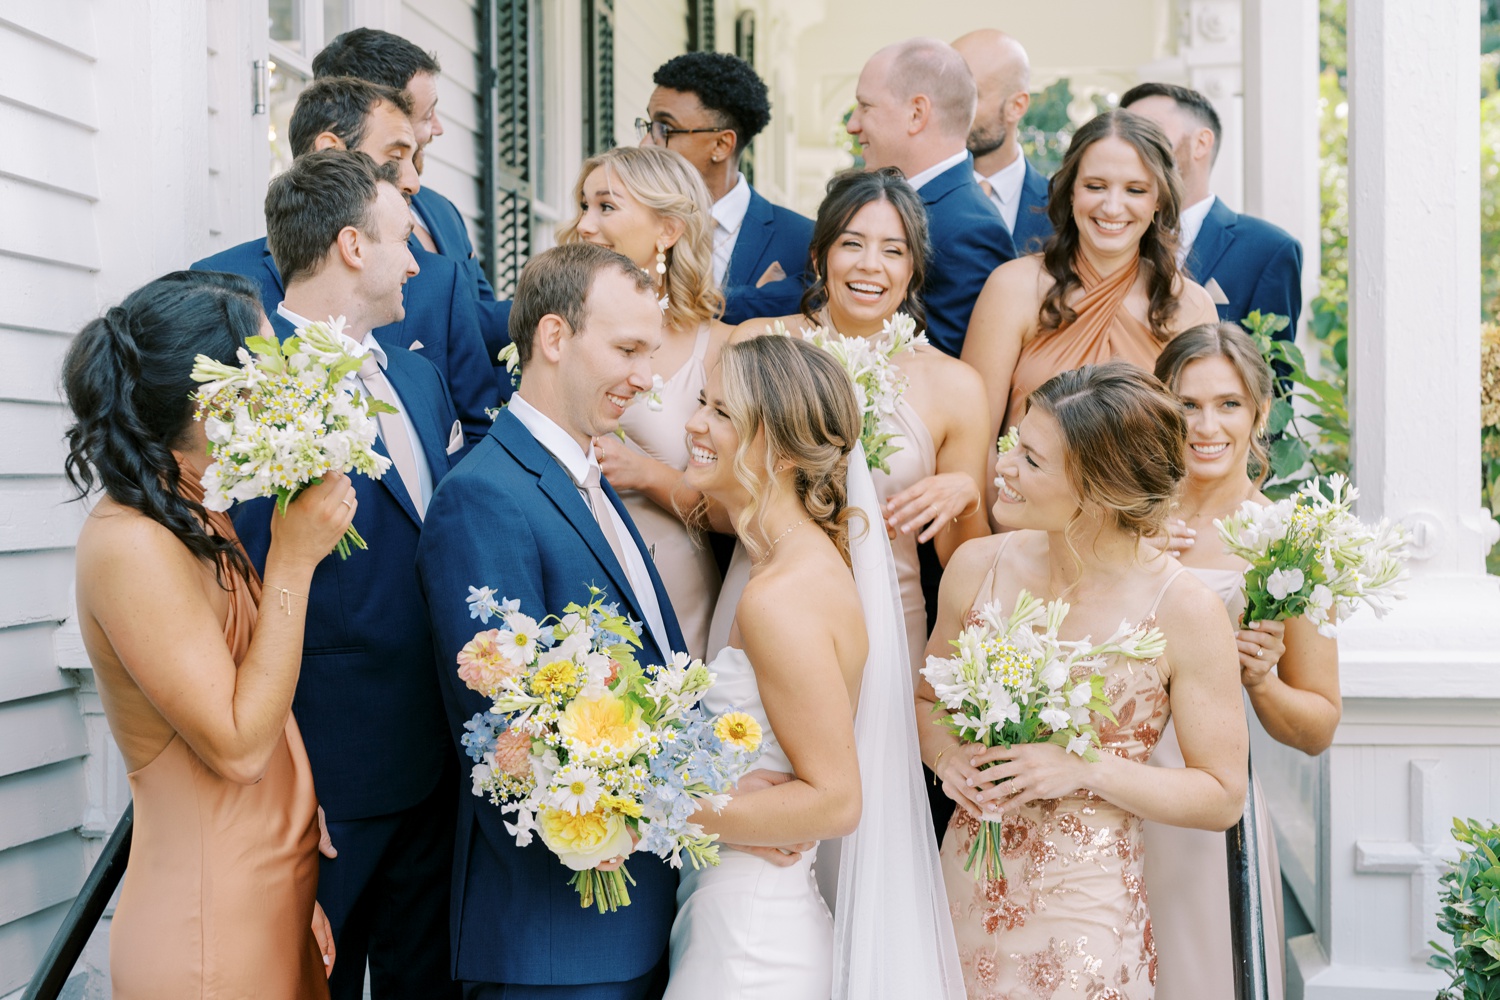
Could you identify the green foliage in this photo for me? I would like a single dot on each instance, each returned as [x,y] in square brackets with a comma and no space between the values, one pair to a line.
[1309,419]
[1470,913]
[1050,122]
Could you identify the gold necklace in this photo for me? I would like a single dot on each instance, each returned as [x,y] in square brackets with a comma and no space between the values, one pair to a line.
[788,531]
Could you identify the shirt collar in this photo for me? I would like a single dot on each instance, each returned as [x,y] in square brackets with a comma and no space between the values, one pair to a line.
[558,442]
[356,348]
[1007,181]
[729,211]
[936,169]
[1190,224]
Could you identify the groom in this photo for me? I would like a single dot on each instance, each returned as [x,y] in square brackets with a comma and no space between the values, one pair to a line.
[527,515]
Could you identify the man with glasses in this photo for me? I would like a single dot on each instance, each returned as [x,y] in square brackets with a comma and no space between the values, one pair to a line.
[708,106]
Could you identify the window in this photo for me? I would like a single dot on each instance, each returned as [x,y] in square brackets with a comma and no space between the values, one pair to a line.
[298,31]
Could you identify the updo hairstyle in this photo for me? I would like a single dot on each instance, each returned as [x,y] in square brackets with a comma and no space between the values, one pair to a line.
[1228,341]
[127,378]
[804,401]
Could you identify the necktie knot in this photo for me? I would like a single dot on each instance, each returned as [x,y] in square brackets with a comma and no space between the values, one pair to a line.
[368,365]
[590,480]
[987,188]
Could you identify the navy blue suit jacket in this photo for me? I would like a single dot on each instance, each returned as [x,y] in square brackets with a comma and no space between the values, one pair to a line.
[440,315]
[769,235]
[446,226]
[509,517]
[1033,228]
[969,240]
[368,701]
[1258,266]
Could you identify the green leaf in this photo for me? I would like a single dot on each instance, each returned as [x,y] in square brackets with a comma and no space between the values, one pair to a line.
[1281,415]
[1287,456]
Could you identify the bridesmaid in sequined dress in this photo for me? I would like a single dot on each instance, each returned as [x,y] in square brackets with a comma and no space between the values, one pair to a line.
[1099,460]
[651,205]
[196,681]
[1288,671]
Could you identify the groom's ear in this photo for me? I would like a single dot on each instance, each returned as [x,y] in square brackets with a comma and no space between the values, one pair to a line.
[550,333]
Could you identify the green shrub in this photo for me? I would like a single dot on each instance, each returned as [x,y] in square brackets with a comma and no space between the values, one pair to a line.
[1470,913]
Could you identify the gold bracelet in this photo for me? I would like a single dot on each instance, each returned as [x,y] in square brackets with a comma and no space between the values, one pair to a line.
[283,600]
[940,760]
[978,502]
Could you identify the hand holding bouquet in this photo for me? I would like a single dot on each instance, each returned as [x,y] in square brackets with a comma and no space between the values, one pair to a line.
[1014,681]
[589,750]
[1310,556]
[285,418]
[877,384]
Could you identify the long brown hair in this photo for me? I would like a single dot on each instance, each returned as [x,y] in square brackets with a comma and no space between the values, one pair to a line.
[1158,247]
[1227,341]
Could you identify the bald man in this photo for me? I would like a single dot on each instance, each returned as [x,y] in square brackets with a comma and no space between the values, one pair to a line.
[914,107]
[1002,72]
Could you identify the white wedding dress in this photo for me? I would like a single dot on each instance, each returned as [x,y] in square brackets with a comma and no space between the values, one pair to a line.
[749,930]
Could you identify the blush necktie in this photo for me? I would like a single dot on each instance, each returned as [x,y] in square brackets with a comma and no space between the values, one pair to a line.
[598,501]
[398,443]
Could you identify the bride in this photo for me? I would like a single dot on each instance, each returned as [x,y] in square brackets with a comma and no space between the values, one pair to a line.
[814,656]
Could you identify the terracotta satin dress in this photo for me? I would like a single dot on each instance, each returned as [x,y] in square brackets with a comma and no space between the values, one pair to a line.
[1187,876]
[686,565]
[1069,919]
[1104,330]
[217,899]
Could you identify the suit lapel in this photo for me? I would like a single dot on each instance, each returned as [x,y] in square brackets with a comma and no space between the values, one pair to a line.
[1212,243]
[431,434]
[751,244]
[663,601]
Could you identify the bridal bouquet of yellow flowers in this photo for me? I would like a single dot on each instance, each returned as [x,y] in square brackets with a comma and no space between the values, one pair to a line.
[1310,556]
[589,750]
[1013,680]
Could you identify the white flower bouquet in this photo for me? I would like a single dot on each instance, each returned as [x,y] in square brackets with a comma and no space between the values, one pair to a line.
[589,750]
[1310,556]
[284,418]
[1014,681]
[877,384]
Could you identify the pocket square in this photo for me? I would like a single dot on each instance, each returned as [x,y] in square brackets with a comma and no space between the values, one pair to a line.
[773,273]
[416,345]
[1216,293]
[455,438]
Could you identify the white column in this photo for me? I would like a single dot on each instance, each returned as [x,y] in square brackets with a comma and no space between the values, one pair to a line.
[1209,46]
[1281,123]
[1420,740]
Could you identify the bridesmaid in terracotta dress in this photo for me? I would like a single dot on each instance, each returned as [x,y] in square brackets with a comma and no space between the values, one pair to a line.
[1099,460]
[869,256]
[1289,672]
[218,897]
[1106,285]
[651,205]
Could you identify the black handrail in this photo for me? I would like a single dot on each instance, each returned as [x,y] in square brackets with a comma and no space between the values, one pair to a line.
[1246,921]
[68,943]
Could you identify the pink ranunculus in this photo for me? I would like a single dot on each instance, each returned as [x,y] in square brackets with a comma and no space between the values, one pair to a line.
[481,665]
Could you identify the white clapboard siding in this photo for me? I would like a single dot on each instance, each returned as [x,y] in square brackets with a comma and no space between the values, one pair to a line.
[647,34]
[450,30]
[49,262]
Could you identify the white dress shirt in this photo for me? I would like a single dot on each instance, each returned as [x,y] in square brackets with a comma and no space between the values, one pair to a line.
[1005,189]
[1190,224]
[729,214]
[359,348]
[937,168]
[561,446]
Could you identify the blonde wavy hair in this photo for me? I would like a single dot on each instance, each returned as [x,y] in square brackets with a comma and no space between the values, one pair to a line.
[805,403]
[670,186]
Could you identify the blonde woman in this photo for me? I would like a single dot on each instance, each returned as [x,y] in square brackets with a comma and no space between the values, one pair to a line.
[651,205]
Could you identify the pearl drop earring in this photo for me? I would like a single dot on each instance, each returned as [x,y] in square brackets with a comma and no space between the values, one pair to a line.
[661,259]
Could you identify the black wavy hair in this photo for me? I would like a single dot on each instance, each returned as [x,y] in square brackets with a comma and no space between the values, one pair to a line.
[127,378]
[374,55]
[726,85]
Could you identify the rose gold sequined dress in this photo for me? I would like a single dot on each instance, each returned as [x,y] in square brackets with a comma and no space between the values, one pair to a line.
[1070,917]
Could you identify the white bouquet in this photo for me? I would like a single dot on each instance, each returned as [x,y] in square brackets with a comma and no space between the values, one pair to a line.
[1310,556]
[284,418]
[1014,681]
[877,384]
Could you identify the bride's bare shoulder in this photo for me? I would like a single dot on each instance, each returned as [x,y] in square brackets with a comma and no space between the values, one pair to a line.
[815,590]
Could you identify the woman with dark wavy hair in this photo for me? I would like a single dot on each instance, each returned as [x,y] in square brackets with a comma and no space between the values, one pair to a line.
[218,898]
[870,253]
[1106,285]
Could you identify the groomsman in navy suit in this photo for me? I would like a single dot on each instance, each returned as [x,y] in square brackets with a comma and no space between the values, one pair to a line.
[1002,72]
[368,702]
[1247,264]
[392,61]
[915,103]
[708,106]
[441,322]
[527,514]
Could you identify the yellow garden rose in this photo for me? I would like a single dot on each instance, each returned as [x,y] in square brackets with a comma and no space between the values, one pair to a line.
[594,722]
[583,841]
